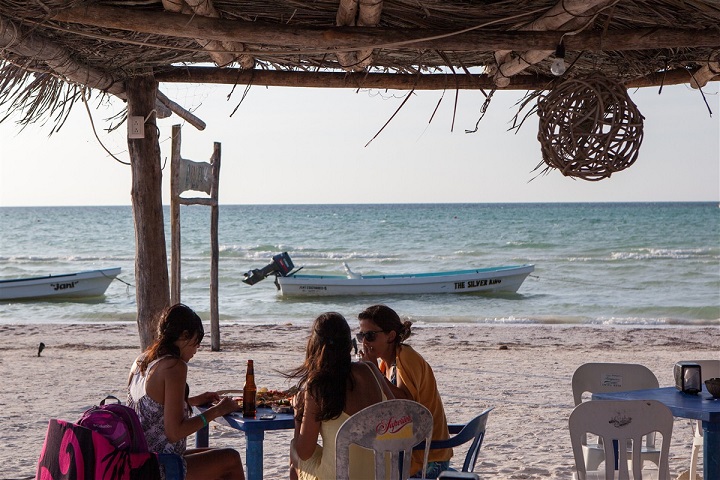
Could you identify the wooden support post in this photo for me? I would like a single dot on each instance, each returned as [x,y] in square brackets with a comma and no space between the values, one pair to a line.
[215,252]
[175,245]
[151,275]
[204,177]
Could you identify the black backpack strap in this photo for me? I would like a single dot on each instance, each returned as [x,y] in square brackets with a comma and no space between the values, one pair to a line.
[110,397]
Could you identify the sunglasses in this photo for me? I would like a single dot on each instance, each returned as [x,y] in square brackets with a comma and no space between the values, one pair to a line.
[369,336]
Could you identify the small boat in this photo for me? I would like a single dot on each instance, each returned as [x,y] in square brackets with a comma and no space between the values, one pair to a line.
[91,283]
[486,280]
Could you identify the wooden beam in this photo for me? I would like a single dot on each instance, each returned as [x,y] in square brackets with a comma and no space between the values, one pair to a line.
[288,38]
[671,77]
[276,78]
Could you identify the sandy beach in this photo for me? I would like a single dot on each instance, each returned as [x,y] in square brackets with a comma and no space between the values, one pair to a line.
[523,372]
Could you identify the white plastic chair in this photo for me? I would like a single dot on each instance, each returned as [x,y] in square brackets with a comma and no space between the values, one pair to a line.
[625,422]
[391,427]
[612,377]
[708,369]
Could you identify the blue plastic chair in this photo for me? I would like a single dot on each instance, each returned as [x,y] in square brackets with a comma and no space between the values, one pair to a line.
[473,430]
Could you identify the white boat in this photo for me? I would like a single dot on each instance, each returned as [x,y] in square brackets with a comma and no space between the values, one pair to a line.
[485,280]
[91,283]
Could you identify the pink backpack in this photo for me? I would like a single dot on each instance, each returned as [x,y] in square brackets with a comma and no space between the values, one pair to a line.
[116,422]
[72,452]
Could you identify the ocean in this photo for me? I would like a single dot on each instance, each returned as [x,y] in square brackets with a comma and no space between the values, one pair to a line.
[650,264]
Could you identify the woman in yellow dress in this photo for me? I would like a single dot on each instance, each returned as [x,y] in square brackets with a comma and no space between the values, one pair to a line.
[331,388]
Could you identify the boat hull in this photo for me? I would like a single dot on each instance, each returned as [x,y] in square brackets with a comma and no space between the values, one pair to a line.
[486,280]
[91,283]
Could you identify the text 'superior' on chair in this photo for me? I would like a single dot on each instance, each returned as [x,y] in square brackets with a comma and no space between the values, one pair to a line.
[612,377]
[626,422]
[708,369]
[473,431]
[393,427]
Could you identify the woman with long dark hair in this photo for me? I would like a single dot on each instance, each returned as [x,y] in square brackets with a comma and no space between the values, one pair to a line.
[158,392]
[331,388]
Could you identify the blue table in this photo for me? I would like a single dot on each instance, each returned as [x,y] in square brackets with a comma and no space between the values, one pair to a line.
[254,429]
[701,407]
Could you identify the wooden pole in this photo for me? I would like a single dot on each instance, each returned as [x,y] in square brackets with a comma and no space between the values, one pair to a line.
[334,39]
[215,252]
[176,243]
[151,275]
[277,78]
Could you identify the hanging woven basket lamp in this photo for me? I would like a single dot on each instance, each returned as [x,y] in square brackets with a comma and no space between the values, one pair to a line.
[589,128]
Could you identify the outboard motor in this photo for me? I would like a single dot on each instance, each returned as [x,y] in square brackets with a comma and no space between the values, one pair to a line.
[281,265]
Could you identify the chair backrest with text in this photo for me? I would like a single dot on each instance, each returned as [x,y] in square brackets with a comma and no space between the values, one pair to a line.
[393,427]
[626,422]
[612,377]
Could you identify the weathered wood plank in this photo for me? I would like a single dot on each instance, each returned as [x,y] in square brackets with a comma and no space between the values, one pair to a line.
[275,78]
[354,38]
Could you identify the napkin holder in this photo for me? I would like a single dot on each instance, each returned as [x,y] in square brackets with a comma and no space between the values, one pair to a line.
[688,377]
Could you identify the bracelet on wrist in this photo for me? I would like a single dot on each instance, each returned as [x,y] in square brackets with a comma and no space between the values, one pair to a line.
[204,420]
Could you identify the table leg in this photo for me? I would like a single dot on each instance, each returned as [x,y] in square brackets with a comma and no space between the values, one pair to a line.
[202,438]
[711,450]
[254,455]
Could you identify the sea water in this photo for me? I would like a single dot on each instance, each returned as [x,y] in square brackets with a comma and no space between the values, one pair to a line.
[609,263]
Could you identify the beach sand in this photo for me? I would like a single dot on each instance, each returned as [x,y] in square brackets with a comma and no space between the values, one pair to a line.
[524,372]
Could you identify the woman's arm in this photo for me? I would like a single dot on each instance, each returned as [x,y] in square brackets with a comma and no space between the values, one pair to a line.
[174,376]
[307,435]
[177,426]
[204,399]
[401,391]
[390,390]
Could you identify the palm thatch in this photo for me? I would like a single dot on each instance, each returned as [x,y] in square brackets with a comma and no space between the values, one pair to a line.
[52,49]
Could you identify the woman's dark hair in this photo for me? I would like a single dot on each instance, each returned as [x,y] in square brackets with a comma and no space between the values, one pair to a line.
[388,320]
[175,322]
[326,371]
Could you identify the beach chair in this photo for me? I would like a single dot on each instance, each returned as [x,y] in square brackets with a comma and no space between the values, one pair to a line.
[612,377]
[708,369]
[625,422]
[473,431]
[392,427]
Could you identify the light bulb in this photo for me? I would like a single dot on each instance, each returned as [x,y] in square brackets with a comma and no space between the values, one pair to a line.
[557,67]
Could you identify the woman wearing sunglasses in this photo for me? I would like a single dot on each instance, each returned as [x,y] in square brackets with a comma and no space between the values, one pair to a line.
[382,334]
[332,388]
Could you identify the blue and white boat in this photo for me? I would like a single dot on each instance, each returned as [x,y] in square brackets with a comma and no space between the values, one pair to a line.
[91,283]
[477,280]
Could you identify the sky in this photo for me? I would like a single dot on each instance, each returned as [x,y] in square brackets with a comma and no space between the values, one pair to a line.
[317,146]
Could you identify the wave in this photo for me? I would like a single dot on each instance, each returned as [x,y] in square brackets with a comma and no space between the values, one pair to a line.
[664,253]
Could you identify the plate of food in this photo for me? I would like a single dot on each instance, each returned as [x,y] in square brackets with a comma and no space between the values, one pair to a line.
[279,400]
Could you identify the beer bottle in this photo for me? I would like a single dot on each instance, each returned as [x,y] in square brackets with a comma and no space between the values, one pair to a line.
[249,392]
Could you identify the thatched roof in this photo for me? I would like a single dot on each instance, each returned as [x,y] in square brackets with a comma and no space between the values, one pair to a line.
[404,44]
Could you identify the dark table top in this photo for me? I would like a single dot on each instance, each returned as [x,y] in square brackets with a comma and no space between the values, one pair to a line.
[700,407]
[281,421]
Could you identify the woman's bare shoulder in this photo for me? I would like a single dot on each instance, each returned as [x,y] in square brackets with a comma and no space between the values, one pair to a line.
[362,369]
[170,365]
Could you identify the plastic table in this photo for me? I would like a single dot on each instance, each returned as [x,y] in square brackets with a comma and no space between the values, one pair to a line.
[254,429]
[701,407]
